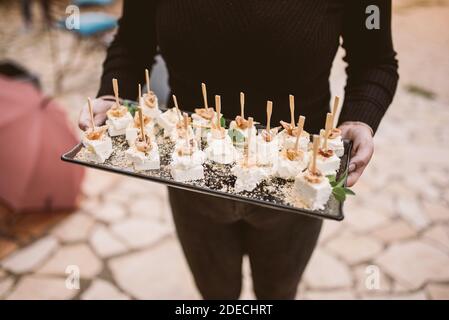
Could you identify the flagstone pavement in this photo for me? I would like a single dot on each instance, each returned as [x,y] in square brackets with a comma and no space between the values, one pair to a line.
[122,239]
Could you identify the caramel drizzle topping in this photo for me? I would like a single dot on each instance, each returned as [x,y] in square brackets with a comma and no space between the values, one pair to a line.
[150,99]
[334,133]
[117,111]
[143,146]
[180,125]
[289,128]
[292,131]
[96,134]
[146,120]
[314,177]
[292,154]
[204,113]
[326,153]
[241,122]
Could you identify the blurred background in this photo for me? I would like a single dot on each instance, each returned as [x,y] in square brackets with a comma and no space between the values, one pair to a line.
[118,233]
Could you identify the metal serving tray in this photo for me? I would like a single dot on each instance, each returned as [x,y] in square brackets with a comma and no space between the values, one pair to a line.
[265,196]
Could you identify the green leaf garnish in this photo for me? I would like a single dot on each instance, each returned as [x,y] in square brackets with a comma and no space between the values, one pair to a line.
[236,136]
[132,108]
[338,187]
[349,191]
[339,194]
[223,122]
[332,180]
[342,180]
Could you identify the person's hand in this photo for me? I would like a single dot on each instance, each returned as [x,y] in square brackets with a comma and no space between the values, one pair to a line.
[99,106]
[361,136]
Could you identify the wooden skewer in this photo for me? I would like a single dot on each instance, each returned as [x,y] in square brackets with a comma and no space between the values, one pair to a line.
[147,79]
[292,110]
[316,145]
[250,129]
[269,111]
[186,127]
[91,113]
[203,88]
[140,93]
[186,120]
[178,112]
[301,121]
[334,110]
[142,126]
[218,110]
[322,134]
[115,87]
[242,105]
[327,130]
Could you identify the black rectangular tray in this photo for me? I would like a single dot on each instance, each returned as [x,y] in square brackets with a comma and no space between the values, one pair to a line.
[333,210]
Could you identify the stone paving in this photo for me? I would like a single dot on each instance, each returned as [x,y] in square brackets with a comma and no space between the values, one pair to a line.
[122,237]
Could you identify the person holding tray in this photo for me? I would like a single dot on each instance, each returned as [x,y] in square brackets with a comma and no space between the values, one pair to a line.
[269,50]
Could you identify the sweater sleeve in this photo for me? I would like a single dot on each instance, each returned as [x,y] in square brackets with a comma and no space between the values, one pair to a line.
[372,75]
[132,50]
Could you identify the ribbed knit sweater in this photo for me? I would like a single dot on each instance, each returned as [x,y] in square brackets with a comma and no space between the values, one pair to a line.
[265,48]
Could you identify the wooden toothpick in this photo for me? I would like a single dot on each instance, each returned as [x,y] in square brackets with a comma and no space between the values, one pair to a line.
[301,121]
[142,126]
[140,93]
[269,111]
[322,135]
[178,112]
[242,105]
[316,145]
[204,90]
[186,127]
[334,110]
[218,110]
[91,113]
[115,87]
[327,129]
[292,110]
[147,79]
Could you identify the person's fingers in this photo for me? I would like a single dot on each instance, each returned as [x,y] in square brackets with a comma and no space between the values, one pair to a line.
[352,167]
[344,132]
[100,119]
[99,108]
[353,177]
[364,152]
[83,121]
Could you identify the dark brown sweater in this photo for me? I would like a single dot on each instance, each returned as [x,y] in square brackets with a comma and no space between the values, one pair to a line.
[266,48]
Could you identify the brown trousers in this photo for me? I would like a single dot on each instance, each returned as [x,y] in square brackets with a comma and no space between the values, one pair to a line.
[216,233]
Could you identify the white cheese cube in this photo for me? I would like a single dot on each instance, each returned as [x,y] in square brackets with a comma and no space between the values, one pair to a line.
[328,165]
[289,142]
[266,152]
[336,145]
[168,121]
[98,150]
[187,167]
[118,125]
[132,132]
[221,151]
[289,169]
[144,161]
[313,195]
[248,177]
